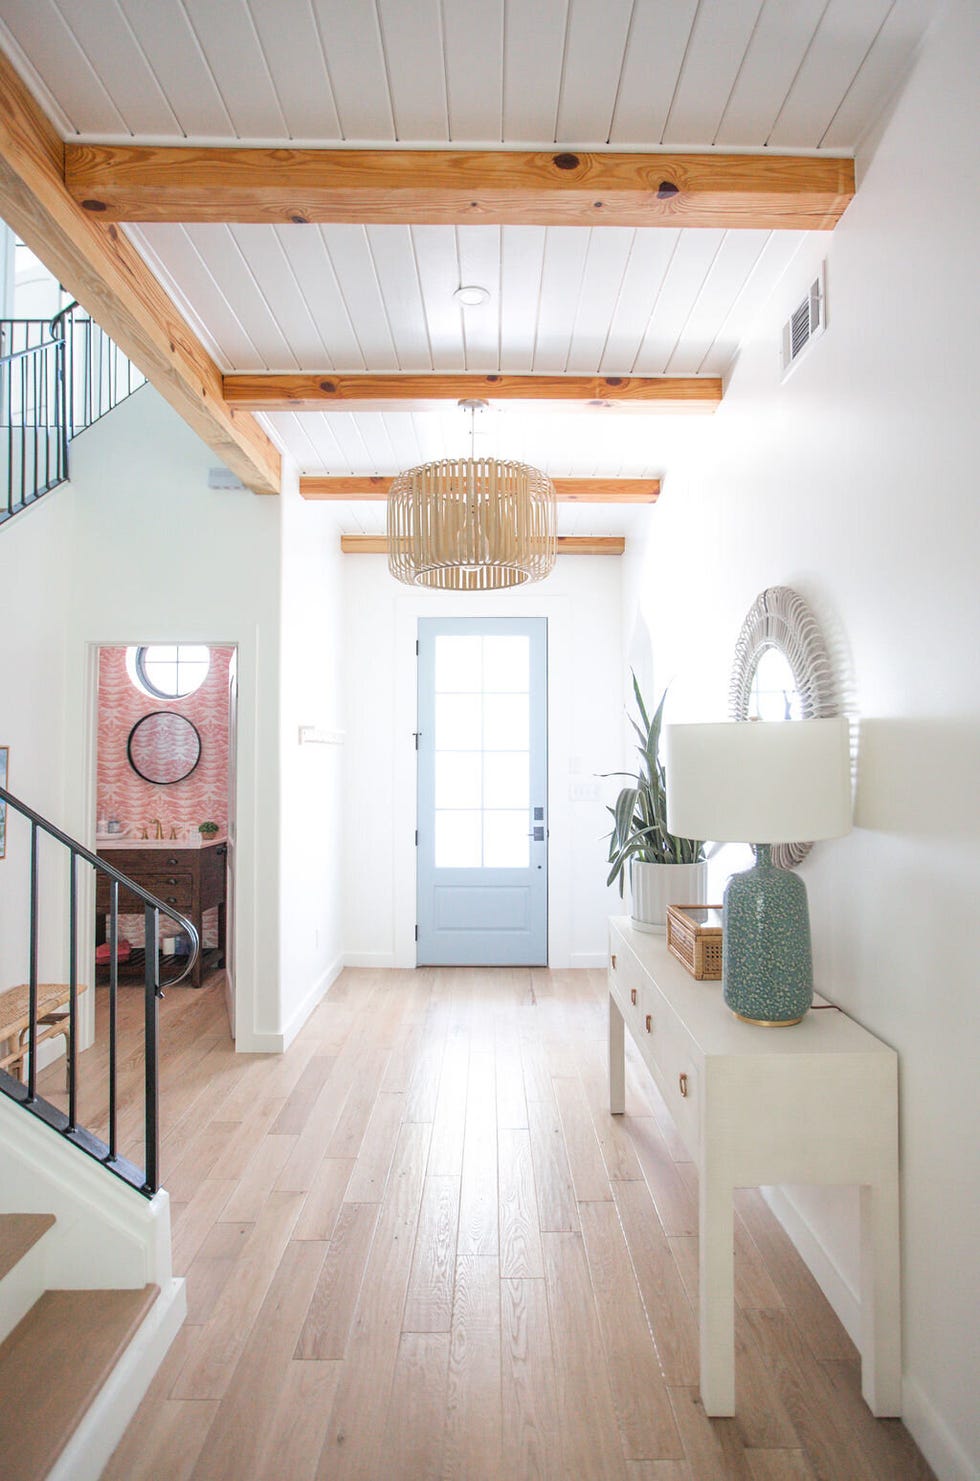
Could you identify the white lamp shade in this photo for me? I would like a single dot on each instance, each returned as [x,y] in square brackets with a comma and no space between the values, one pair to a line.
[759,781]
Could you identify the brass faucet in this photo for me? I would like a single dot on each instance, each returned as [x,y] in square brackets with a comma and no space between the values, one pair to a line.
[158,826]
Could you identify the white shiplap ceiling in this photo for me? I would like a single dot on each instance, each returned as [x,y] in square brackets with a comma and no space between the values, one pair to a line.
[736,74]
[777,75]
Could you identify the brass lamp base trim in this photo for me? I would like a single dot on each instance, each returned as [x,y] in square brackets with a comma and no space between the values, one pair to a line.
[769,1022]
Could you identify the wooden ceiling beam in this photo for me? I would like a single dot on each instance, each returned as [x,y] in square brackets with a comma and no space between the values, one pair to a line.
[350,489]
[567,544]
[451,186]
[328,392]
[100,267]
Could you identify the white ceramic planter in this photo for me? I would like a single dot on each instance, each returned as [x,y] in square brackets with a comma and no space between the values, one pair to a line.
[655,886]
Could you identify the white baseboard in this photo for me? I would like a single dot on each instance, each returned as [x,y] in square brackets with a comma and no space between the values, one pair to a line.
[589,959]
[85,1456]
[379,959]
[315,995]
[934,1438]
[928,1429]
[838,1291]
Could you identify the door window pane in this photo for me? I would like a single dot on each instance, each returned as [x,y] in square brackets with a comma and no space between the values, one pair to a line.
[457,840]
[458,667]
[505,841]
[506,665]
[458,779]
[505,722]
[506,779]
[458,722]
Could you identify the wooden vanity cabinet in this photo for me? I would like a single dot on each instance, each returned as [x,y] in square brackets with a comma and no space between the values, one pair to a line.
[191,880]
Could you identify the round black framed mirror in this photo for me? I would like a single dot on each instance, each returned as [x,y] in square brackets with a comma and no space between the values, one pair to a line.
[163,748]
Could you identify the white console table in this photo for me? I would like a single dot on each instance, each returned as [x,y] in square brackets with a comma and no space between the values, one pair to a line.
[814,1103]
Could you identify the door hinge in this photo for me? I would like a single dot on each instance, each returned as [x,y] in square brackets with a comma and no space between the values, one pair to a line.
[416,838]
[416,734]
[416,647]
[416,933]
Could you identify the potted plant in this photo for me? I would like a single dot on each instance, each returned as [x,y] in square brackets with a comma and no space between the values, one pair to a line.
[664,869]
[208,832]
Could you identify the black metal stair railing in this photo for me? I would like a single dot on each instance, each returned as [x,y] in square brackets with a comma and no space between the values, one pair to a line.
[33,412]
[145,1179]
[57,377]
[98,376]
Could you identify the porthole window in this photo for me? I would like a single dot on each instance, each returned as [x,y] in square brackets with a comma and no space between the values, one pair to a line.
[169,670]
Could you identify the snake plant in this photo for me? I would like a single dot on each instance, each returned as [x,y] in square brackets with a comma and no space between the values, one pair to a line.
[640,814]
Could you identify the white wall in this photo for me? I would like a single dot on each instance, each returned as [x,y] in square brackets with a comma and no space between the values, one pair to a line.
[582,602]
[136,548]
[35,617]
[311,777]
[855,482]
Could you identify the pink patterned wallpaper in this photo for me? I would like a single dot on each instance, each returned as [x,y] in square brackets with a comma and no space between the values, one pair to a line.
[121,793]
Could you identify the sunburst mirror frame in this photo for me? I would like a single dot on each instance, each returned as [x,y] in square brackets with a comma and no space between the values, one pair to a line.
[780,618]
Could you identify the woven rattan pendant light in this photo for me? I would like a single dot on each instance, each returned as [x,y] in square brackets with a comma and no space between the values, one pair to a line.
[471,524]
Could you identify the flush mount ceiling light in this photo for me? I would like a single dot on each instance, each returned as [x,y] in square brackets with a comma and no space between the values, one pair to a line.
[472,524]
[471,295]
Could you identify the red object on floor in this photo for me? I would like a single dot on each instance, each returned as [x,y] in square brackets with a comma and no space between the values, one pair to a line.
[103,953]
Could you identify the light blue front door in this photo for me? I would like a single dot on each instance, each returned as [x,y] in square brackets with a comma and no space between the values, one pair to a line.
[483,781]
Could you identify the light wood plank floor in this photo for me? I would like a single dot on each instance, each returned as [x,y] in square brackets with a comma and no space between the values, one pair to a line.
[417,1245]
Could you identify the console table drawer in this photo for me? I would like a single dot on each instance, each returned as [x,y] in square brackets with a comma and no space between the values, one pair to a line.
[665,1048]
[173,888]
[678,1075]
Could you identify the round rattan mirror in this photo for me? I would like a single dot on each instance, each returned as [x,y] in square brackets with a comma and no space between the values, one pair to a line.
[782,670]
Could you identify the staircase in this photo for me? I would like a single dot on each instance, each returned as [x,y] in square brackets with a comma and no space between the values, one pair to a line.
[58,1349]
[88,1301]
[56,379]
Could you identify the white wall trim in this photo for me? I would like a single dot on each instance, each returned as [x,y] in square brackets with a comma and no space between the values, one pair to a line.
[102,1427]
[107,1235]
[315,995]
[408,609]
[590,960]
[934,1437]
[378,959]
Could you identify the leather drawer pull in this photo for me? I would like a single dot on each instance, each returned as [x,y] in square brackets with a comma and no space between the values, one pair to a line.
[633,996]
[649,1023]
[682,1083]
[613,961]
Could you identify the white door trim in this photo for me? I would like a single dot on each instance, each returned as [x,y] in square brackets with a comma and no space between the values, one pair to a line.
[408,609]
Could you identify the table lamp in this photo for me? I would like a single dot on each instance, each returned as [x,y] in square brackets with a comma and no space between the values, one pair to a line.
[762,782]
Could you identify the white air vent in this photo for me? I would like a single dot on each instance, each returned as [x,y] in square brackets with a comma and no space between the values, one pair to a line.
[807,321]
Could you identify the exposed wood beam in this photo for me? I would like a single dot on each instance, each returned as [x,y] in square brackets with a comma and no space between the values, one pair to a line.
[327,392]
[569,490]
[453,186]
[100,267]
[567,544]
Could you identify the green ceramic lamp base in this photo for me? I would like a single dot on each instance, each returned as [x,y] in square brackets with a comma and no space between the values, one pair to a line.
[767,967]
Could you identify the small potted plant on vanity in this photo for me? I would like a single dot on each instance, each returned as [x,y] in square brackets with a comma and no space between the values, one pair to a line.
[208,832]
[664,870]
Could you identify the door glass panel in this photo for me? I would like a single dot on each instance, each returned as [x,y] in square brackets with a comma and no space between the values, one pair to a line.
[505,841]
[506,779]
[458,779]
[457,840]
[458,665]
[458,722]
[505,722]
[506,665]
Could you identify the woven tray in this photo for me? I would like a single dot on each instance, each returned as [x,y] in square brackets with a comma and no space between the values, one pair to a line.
[694,937]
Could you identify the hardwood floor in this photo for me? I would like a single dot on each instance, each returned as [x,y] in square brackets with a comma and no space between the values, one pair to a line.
[417,1246]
